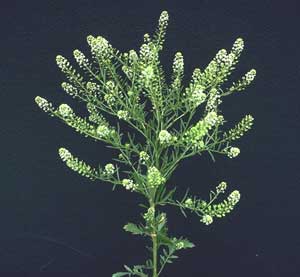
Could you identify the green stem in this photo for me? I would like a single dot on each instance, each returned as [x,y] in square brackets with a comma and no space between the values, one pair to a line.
[154,241]
[155,246]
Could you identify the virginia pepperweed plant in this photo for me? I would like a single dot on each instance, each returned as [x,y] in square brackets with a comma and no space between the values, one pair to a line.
[132,87]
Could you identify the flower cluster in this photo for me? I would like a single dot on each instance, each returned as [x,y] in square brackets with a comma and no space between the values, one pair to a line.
[112,95]
[234,197]
[194,94]
[131,59]
[80,124]
[93,89]
[214,100]
[79,166]
[69,71]
[178,65]
[207,219]
[64,154]
[100,48]
[154,177]
[44,104]
[148,54]
[238,47]
[149,215]
[221,187]
[62,63]
[160,34]
[144,157]
[240,129]
[70,89]
[65,110]
[225,207]
[95,116]
[233,152]
[129,184]
[244,82]
[147,76]
[122,114]
[195,134]
[80,58]
[103,131]
[189,203]
[166,138]
[223,59]
[109,169]
[221,66]
[197,97]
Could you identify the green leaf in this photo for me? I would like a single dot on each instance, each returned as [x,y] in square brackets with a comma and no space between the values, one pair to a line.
[134,229]
[187,243]
[165,240]
[127,268]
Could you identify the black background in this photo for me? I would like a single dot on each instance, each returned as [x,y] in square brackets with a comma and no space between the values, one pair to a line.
[46,209]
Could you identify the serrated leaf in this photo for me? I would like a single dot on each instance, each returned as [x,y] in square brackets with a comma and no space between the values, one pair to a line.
[133,228]
[187,243]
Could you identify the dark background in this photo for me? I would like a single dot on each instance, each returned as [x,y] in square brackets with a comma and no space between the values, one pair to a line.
[47,212]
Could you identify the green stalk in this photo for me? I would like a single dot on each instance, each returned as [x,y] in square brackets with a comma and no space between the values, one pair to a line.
[154,248]
[154,241]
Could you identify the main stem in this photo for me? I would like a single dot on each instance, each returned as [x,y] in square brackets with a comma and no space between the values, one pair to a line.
[154,248]
[154,240]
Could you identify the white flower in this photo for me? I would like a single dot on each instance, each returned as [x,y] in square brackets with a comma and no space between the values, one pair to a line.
[122,114]
[178,64]
[80,58]
[62,63]
[233,152]
[211,119]
[102,131]
[238,46]
[221,56]
[149,215]
[144,157]
[221,187]
[249,77]
[44,104]
[92,87]
[197,97]
[234,197]
[147,75]
[163,19]
[164,136]
[109,169]
[154,177]
[207,219]
[100,47]
[133,57]
[70,89]
[109,98]
[65,110]
[129,184]
[189,202]
[64,154]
